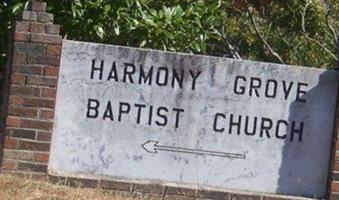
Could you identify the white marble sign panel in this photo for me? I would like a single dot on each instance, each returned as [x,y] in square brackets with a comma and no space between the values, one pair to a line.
[149,116]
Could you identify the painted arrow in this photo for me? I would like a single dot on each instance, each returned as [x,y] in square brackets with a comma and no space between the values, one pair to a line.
[153,147]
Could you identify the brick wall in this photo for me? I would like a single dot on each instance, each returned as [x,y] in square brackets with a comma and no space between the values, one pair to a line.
[29,99]
[334,171]
[31,88]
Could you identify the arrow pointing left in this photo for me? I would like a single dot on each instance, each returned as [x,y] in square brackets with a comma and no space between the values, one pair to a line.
[152,146]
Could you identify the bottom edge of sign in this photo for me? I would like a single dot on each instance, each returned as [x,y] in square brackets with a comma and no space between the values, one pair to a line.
[77,175]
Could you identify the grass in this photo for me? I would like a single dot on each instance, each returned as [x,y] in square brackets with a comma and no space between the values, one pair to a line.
[19,188]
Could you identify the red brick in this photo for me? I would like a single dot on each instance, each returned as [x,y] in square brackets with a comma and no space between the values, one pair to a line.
[37,6]
[19,59]
[22,36]
[32,167]
[36,124]
[38,103]
[276,198]
[24,91]
[21,133]
[335,176]
[181,191]
[19,155]
[34,146]
[17,79]
[334,186]
[28,69]
[37,28]
[336,166]
[244,197]
[43,60]
[54,50]
[48,92]
[51,71]
[13,121]
[41,157]
[29,16]
[21,26]
[203,194]
[46,114]
[15,100]
[22,112]
[8,164]
[45,17]
[44,38]
[10,143]
[53,29]
[41,81]
[30,48]
[45,136]
[120,186]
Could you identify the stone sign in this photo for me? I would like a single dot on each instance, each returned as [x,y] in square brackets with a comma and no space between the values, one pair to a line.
[147,116]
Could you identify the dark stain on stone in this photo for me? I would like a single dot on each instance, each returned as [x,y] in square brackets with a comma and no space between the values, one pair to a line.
[137,158]
[155,56]
[213,65]
[123,53]
[142,56]
[179,97]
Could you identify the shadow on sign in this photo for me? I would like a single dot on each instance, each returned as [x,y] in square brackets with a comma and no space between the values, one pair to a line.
[305,167]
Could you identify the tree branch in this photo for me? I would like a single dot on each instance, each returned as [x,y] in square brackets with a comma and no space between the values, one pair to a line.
[333,31]
[308,3]
[234,53]
[268,46]
[322,46]
[230,47]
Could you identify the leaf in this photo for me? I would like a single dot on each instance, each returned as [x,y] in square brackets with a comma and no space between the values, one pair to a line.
[107,8]
[178,12]
[143,43]
[17,7]
[117,30]
[99,31]
[196,47]
[150,21]
[167,34]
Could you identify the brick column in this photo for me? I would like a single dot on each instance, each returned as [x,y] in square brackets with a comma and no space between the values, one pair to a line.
[334,170]
[31,83]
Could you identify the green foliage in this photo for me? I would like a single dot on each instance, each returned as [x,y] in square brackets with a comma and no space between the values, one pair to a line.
[256,31]
[8,11]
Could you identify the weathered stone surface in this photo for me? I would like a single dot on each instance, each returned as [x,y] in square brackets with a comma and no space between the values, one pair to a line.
[29,16]
[44,17]
[37,6]
[21,26]
[219,123]
[19,133]
[30,49]
[53,29]
[23,166]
